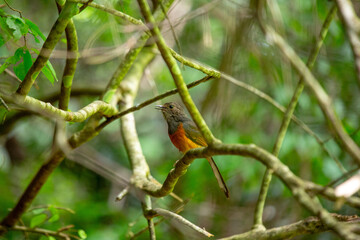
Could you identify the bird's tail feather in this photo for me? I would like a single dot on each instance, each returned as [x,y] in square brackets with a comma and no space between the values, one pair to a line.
[218,176]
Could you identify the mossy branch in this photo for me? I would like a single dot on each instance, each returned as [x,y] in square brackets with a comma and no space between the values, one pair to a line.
[46,109]
[176,73]
[130,57]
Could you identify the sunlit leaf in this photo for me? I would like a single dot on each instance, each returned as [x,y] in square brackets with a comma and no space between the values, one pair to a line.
[2,41]
[35,30]
[46,71]
[12,25]
[37,220]
[82,234]
[54,214]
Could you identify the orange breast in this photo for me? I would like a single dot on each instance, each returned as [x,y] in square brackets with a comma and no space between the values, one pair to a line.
[180,140]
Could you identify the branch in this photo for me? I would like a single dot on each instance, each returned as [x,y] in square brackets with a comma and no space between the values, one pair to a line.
[49,110]
[111,11]
[130,57]
[182,220]
[352,27]
[296,185]
[69,10]
[70,65]
[310,225]
[146,206]
[42,231]
[323,99]
[176,73]
[258,223]
[149,101]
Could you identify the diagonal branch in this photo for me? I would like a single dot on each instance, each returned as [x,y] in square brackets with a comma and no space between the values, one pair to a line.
[258,223]
[176,73]
[68,11]
[352,27]
[323,99]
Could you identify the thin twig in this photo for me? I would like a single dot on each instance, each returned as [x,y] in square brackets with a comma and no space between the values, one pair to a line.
[44,232]
[122,194]
[172,215]
[322,97]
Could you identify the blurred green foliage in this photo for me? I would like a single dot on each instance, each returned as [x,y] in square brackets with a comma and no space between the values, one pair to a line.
[208,33]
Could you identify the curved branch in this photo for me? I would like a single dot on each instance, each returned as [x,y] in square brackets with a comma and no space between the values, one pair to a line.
[49,110]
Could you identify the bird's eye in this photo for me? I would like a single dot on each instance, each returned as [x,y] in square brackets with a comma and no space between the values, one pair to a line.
[171,106]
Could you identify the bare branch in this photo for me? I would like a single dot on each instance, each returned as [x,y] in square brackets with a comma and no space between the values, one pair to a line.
[323,99]
[310,225]
[42,231]
[352,27]
[168,214]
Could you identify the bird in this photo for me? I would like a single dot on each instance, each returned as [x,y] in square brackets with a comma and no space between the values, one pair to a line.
[184,135]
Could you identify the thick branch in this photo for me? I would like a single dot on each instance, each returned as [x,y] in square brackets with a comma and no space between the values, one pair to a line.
[49,110]
[70,65]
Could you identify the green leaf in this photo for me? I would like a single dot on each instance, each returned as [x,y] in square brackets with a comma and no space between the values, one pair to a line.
[24,28]
[54,214]
[3,113]
[22,68]
[46,71]
[37,220]
[52,70]
[51,238]
[12,59]
[27,60]
[35,30]
[82,234]
[12,25]
[4,26]
[37,211]
[2,41]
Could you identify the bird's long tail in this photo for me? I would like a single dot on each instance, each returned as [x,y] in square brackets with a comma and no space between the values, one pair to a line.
[218,176]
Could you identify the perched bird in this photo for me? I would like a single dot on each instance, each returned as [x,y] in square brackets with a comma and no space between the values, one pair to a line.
[185,135]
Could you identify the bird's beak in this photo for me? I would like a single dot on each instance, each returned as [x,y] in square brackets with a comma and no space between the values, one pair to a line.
[159,107]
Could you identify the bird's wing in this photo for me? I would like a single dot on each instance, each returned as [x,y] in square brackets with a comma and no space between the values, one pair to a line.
[193,133]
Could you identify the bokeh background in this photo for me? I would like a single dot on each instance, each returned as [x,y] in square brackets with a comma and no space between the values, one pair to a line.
[225,36]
